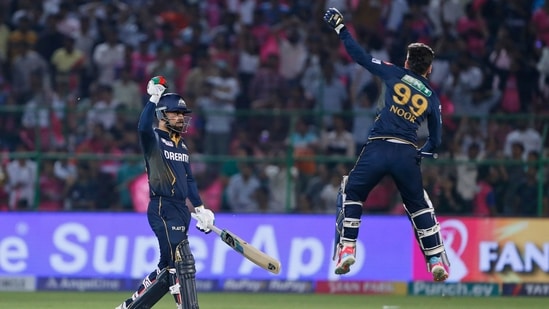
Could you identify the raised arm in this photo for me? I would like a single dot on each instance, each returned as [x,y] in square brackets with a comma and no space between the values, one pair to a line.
[155,88]
[382,69]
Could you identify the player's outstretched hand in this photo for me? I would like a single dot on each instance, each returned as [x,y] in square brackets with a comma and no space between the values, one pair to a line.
[204,218]
[156,87]
[334,19]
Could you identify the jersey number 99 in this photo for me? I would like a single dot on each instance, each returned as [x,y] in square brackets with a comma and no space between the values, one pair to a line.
[403,95]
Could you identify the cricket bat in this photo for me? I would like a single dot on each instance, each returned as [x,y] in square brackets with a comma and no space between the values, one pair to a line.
[251,253]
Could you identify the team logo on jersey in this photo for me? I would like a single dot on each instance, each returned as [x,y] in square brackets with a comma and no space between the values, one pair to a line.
[376,61]
[183,145]
[167,143]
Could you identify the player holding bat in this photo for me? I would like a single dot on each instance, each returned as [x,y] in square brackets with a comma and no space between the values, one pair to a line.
[391,149]
[170,184]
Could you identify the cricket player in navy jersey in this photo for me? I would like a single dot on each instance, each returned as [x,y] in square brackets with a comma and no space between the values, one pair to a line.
[170,183]
[391,149]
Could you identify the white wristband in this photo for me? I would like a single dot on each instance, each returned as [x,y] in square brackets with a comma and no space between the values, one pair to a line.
[338,28]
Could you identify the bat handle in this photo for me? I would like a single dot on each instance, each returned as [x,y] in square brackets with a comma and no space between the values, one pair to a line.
[214,228]
[429,154]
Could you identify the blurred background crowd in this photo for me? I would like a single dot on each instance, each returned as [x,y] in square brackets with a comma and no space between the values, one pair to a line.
[280,110]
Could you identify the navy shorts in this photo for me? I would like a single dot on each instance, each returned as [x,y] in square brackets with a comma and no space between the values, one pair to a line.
[379,158]
[169,219]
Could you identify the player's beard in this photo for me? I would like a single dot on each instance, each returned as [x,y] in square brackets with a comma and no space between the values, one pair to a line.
[178,126]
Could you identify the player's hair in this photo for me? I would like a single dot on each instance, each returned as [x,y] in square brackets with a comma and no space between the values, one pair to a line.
[420,57]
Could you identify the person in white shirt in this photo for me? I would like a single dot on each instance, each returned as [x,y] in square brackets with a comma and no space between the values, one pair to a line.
[21,175]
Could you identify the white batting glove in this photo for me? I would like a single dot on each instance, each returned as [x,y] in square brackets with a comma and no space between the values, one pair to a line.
[205,218]
[156,87]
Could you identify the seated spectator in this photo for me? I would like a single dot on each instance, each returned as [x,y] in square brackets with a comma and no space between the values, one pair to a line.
[338,141]
[21,175]
[51,188]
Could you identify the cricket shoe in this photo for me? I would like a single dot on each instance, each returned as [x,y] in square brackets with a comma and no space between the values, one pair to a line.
[438,269]
[346,259]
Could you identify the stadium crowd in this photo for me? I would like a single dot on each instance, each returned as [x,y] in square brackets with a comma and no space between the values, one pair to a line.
[268,81]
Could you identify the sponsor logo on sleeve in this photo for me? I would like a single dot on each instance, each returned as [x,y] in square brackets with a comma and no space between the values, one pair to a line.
[167,142]
[376,61]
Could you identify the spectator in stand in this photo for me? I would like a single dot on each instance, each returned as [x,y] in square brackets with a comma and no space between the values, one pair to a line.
[328,194]
[467,173]
[165,65]
[50,39]
[108,57]
[141,58]
[23,33]
[465,77]
[267,80]
[338,141]
[198,75]
[21,175]
[242,188]
[27,63]
[484,203]
[472,30]
[248,64]
[364,112]
[127,172]
[67,62]
[10,121]
[218,110]
[103,111]
[83,191]
[42,116]
[331,95]
[51,188]
[126,91]
[524,134]
[309,199]
[292,50]
[525,196]
[449,199]
[514,175]
[305,142]
[280,184]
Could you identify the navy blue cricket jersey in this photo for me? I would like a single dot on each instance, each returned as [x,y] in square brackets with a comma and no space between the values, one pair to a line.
[167,161]
[408,99]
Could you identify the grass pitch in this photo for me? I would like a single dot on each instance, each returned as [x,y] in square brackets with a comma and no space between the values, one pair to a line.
[94,300]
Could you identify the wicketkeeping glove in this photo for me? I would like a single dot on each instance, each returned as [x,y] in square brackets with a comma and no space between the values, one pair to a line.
[334,19]
[205,218]
[156,87]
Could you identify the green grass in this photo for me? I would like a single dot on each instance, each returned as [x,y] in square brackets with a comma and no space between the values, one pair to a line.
[94,300]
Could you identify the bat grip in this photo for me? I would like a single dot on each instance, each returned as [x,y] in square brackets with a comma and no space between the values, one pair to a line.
[429,155]
[214,228]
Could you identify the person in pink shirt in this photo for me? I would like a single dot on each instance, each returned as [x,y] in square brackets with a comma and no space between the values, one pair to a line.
[484,202]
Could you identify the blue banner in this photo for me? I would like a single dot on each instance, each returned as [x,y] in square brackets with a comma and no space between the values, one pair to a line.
[122,246]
